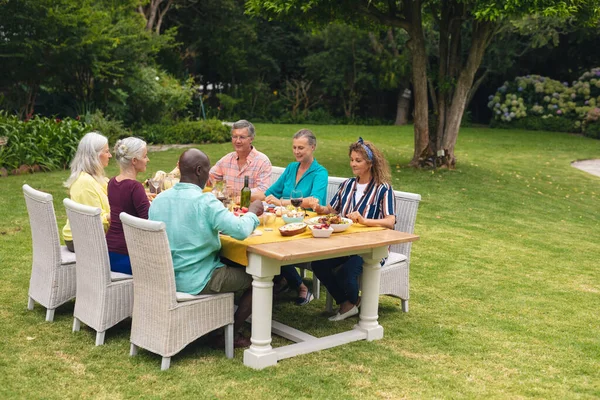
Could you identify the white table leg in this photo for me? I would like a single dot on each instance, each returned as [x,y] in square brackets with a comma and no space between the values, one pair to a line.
[370,300]
[261,354]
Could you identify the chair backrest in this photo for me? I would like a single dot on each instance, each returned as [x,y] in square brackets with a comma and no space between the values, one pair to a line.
[276,173]
[44,237]
[151,263]
[407,205]
[333,185]
[93,265]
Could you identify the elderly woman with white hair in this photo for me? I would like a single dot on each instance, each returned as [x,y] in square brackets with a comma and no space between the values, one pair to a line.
[87,183]
[126,194]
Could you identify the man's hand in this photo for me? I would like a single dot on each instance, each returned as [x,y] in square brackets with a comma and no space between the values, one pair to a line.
[256,207]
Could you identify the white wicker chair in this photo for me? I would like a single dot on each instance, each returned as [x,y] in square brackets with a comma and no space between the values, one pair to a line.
[104,298]
[52,280]
[165,321]
[394,273]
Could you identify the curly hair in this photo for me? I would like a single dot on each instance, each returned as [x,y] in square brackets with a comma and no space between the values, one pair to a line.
[380,169]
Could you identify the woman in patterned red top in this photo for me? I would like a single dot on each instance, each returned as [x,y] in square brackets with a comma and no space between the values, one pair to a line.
[125,193]
[367,199]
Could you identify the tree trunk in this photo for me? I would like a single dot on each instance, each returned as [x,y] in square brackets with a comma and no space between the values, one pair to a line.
[402,107]
[416,44]
[482,32]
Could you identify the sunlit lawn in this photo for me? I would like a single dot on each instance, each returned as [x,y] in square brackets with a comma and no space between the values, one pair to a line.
[505,288]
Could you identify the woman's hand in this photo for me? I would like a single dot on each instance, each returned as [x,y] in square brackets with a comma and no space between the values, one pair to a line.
[270,199]
[311,202]
[357,217]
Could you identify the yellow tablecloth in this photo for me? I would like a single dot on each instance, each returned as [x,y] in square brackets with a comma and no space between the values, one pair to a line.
[235,250]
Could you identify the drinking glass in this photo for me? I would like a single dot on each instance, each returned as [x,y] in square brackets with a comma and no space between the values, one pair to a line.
[296,198]
[154,184]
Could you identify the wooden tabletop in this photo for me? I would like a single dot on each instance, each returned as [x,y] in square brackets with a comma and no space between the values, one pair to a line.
[305,248]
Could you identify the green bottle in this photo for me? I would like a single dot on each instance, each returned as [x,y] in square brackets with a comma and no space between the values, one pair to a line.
[245,195]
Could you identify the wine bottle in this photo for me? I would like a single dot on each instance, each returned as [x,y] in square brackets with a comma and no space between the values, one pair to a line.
[245,195]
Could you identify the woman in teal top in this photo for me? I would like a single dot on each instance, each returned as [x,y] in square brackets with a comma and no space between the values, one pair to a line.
[308,176]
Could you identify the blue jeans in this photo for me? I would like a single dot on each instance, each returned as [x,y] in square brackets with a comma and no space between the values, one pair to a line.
[343,283]
[119,263]
[291,275]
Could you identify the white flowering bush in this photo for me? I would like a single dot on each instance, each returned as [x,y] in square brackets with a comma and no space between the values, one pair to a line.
[537,102]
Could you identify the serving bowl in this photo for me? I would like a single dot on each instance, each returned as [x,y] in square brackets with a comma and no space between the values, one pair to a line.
[292,229]
[321,232]
[336,227]
[289,220]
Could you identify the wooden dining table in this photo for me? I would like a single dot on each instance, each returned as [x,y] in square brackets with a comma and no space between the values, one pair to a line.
[265,261]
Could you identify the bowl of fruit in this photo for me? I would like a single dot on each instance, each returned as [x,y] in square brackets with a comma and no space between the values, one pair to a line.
[321,230]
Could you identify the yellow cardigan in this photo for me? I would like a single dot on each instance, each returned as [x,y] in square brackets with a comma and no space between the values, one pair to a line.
[87,190]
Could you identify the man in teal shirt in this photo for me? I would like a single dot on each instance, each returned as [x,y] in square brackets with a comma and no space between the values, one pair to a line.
[193,220]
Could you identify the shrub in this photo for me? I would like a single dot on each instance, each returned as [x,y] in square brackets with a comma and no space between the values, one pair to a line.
[155,95]
[536,123]
[536,102]
[110,128]
[593,130]
[208,131]
[43,142]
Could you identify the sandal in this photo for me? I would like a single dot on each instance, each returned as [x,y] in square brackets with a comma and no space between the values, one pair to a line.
[302,301]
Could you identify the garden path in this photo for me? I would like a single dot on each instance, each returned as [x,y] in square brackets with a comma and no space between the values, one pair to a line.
[589,166]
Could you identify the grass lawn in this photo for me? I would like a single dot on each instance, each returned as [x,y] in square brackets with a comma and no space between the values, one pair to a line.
[505,288]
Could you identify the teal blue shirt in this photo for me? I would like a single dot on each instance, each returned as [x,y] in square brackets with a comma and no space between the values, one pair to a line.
[193,221]
[313,182]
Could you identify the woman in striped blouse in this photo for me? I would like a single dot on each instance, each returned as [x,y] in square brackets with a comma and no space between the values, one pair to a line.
[367,199]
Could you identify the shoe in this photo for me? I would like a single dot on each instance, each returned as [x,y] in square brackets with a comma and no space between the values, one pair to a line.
[340,317]
[302,301]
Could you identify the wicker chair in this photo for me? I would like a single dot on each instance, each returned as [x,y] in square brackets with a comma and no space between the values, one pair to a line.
[165,321]
[52,280]
[394,273]
[104,298]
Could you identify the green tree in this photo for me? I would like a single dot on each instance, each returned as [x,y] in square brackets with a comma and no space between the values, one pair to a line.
[339,62]
[457,65]
[76,49]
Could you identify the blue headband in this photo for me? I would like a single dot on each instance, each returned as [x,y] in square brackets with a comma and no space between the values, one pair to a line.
[367,149]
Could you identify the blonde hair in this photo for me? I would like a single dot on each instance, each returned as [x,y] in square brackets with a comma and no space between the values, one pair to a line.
[87,158]
[380,169]
[127,149]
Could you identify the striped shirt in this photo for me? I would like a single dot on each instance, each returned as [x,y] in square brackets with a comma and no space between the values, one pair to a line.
[377,201]
[257,168]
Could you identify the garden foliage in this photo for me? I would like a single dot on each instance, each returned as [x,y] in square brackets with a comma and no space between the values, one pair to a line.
[39,143]
[540,103]
[206,131]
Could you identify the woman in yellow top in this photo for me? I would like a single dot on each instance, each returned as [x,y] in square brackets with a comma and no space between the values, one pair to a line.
[87,183]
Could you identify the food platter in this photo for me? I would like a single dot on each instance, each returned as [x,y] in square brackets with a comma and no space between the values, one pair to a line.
[324,219]
[292,229]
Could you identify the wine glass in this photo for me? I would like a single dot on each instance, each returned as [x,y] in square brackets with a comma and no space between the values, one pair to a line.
[296,198]
[154,183]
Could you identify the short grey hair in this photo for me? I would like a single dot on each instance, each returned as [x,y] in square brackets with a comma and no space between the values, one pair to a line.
[87,158]
[127,149]
[241,124]
[307,133]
